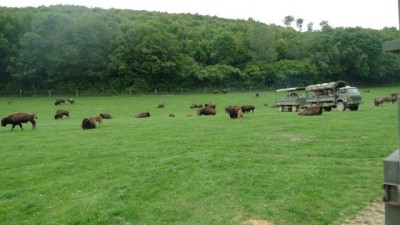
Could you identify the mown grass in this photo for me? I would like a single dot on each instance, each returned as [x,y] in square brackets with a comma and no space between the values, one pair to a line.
[270,166]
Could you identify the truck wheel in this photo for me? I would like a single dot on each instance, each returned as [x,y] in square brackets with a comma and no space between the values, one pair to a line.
[280,108]
[354,108]
[340,106]
[294,108]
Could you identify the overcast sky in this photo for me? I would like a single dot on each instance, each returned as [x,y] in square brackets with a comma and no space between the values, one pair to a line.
[375,14]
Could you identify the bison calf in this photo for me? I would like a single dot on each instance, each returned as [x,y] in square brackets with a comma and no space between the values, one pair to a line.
[207,111]
[60,113]
[99,119]
[311,111]
[19,118]
[88,123]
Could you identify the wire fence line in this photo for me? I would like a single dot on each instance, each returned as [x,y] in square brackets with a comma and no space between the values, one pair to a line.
[129,91]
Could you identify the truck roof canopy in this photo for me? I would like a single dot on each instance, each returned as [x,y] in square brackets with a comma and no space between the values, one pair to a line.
[291,89]
[324,86]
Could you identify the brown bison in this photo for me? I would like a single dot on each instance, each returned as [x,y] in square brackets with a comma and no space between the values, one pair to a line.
[71,101]
[99,119]
[171,115]
[60,113]
[160,106]
[230,108]
[105,116]
[206,111]
[378,101]
[236,112]
[59,101]
[210,105]
[88,123]
[143,115]
[224,90]
[311,111]
[196,106]
[257,94]
[248,108]
[19,118]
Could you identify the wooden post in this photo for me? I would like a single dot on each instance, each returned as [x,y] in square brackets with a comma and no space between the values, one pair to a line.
[50,93]
[250,88]
[155,91]
[181,90]
[130,91]
[20,93]
[205,90]
[77,93]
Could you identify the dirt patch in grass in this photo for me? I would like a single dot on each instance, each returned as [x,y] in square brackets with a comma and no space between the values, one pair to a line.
[258,222]
[373,214]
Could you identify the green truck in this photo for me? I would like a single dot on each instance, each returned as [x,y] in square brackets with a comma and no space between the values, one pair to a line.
[338,94]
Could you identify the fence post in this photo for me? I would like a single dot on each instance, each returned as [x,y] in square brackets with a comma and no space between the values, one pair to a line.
[77,93]
[250,88]
[20,93]
[155,91]
[130,91]
[50,93]
[205,90]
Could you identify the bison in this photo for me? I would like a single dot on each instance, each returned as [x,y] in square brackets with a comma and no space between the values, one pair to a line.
[59,101]
[88,123]
[257,94]
[248,108]
[71,101]
[60,113]
[224,90]
[311,111]
[19,118]
[105,116]
[196,106]
[236,112]
[378,101]
[210,105]
[143,115]
[160,106]
[206,111]
[230,108]
[99,119]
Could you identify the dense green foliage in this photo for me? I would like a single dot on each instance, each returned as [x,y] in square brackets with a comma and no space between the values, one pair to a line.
[65,48]
[272,166]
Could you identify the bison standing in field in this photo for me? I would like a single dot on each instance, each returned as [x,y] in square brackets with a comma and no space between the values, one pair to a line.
[207,111]
[59,101]
[88,123]
[235,112]
[105,116]
[311,111]
[143,115]
[248,108]
[19,118]
[60,113]
[99,119]
[378,101]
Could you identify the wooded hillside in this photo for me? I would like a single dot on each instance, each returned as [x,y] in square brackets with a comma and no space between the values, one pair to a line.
[71,47]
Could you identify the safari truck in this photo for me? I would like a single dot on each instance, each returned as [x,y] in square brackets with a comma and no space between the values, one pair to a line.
[330,95]
[291,100]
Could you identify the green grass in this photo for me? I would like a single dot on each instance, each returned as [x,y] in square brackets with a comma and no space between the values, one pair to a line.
[271,166]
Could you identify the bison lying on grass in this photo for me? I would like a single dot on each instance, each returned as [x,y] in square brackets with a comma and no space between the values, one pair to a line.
[19,118]
[311,111]
[207,111]
[143,115]
[248,108]
[106,116]
[89,123]
[60,113]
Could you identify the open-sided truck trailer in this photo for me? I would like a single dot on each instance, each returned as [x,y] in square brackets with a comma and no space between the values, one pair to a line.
[337,94]
[292,99]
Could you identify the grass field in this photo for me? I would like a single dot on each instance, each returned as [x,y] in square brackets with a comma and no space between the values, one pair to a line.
[270,166]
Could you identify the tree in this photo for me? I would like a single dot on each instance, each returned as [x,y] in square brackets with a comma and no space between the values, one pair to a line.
[299,23]
[288,20]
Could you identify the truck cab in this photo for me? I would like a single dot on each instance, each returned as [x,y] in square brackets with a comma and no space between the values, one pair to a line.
[330,95]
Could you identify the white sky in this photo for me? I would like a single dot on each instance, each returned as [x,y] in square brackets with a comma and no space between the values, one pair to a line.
[375,14]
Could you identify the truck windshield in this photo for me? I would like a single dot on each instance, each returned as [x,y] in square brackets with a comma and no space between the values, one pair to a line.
[353,91]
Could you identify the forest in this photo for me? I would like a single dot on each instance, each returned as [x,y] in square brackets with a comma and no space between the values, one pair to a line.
[65,47]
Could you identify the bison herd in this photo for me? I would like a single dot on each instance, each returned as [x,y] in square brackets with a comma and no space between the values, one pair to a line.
[208,109]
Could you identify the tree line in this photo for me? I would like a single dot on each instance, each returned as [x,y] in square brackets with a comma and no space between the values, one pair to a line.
[72,47]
